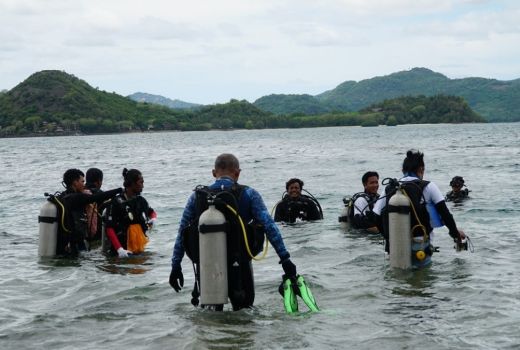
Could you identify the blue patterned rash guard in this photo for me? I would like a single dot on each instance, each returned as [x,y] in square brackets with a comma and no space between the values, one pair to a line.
[251,206]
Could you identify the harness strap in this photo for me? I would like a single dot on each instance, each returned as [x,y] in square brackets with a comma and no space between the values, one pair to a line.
[213,228]
[47,219]
[400,209]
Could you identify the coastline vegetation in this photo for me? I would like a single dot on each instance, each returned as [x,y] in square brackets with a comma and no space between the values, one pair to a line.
[56,103]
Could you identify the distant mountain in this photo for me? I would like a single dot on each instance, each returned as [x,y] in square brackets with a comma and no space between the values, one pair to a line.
[161,100]
[495,100]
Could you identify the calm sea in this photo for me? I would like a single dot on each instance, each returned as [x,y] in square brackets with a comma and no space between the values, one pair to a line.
[463,301]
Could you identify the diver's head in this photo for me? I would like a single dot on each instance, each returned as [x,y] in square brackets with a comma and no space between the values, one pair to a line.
[370,181]
[414,163]
[133,181]
[294,187]
[74,180]
[227,164]
[94,177]
[456,183]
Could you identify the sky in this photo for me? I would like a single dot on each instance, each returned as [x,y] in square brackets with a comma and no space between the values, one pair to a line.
[211,51]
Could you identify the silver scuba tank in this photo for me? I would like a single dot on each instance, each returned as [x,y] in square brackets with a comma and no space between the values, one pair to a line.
[213,257]
[343,218]
[48,230]
[399,231]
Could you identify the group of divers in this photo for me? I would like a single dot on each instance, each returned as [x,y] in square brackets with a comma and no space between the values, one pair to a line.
[224,225]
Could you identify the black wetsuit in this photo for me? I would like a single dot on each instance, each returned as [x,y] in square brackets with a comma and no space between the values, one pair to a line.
[75,219]
[303,208]
[457,196]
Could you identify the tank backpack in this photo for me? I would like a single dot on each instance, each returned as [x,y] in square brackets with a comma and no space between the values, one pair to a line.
[226,201]
[420,219]
[349,206]
[64,233]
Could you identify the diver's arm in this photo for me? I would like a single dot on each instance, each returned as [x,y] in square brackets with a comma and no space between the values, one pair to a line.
[81,199]
[448,220]
[187,216]
[261,214]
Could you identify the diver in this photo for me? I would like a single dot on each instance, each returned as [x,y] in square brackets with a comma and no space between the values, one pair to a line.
[359,214]
[129,217]
[239,204]
[74,202]
[296,206]
[457,193]
[426,201]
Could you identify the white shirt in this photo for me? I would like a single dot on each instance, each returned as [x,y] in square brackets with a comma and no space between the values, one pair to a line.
[361,206]
[432,194]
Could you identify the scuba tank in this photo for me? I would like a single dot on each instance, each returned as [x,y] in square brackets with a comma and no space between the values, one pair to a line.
[399,223]
[48,230]
[213,257]
[343,218]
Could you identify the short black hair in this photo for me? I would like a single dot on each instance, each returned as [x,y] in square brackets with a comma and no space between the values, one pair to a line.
[368,174]
[131,176]
[70,176]
[293,180]
[413,161]
[93,175]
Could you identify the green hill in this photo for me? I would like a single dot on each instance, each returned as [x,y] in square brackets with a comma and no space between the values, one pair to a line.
[292,104]
[54,102]
[57,103]
[495,100]
[424,109]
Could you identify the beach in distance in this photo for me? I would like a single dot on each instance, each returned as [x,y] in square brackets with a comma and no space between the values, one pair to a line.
[463,300]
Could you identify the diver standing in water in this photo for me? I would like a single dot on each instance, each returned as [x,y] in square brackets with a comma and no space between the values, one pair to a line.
[426,202]
[236,204]
[296,206]
[74,202]
[129,217]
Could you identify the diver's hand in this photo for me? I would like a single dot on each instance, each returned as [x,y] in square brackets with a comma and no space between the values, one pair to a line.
[151,222]
[289,268]
[462,235]
[123,253]
[176,279]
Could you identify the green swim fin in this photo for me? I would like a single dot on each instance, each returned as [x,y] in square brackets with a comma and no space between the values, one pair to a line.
[306,294]
[289,297]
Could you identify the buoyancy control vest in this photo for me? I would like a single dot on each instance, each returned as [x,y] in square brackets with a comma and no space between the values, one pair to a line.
[306,208]
[350,201]
[122,212]
[226,201]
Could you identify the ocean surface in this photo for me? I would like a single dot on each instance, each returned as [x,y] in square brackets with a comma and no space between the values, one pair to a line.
[463,301]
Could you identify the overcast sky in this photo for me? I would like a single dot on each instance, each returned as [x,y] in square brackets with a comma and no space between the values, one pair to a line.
[213,50]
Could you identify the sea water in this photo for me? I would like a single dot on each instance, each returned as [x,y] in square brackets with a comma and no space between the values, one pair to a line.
[463,301]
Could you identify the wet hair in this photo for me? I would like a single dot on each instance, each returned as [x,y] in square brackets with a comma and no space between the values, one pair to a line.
[131,176]
[70,176]
[226,161]
[413,161]
[367,175]
[457,181]
[93,175]
[293,180]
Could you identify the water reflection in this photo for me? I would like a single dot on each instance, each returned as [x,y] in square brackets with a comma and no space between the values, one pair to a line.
[134,264]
